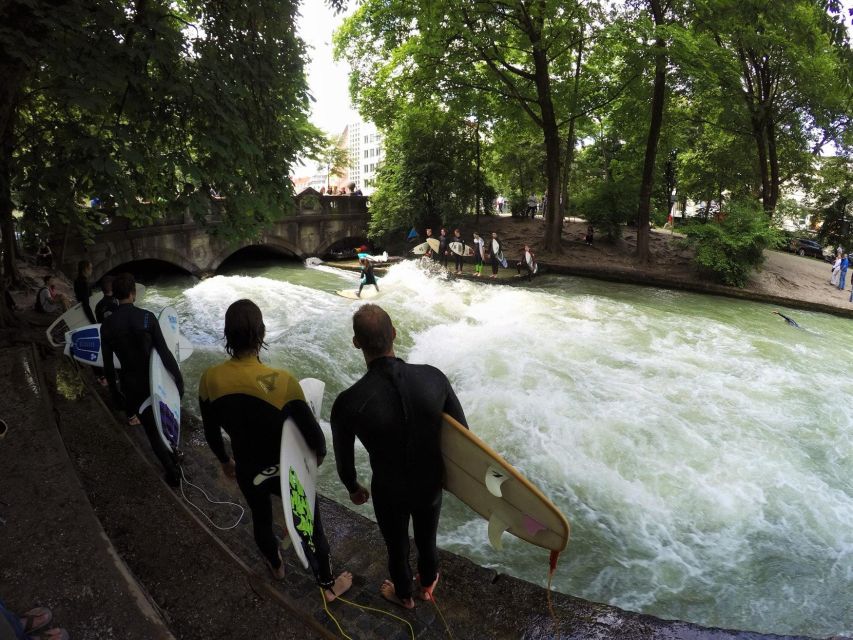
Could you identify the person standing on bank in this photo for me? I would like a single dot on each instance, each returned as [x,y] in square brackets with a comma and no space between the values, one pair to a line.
[83,290]
[479,254]
[496,254]
[457,257]
[443,247]
[842,274]
[395,411]
[131,333]
[251,401]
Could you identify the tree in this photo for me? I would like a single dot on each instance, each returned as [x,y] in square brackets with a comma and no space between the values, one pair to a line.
[788,64]
[426,174]
[146,105]
[511,51]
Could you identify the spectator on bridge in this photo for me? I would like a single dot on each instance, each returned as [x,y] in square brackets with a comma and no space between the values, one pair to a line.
[353,191]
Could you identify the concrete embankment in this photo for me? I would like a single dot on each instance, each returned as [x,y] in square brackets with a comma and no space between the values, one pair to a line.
[205,583]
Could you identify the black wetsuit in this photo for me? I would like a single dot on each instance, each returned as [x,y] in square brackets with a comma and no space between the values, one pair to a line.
[105,307]
[457,257]
[395,410]
[251,401]
[443,243]
[131,333]
[83,291]
[367,277]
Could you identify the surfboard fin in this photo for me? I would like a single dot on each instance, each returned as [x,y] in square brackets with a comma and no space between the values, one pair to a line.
[495,477]
[496,528]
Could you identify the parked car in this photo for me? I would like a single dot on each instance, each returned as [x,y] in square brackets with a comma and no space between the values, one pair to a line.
[806,247]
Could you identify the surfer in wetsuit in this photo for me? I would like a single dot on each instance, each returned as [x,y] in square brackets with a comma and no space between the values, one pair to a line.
[443,247]
[106,305]
[367,275]
[395,411]
[83,290]
[131,333]
[251,401]
[787,319]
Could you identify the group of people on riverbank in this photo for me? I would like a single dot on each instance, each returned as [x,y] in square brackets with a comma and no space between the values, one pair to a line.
[839,271]
[484,251]
[395,410]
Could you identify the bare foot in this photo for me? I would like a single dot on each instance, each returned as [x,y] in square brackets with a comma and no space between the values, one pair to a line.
[342,584]
[388,592]
[277,572]
[425,593]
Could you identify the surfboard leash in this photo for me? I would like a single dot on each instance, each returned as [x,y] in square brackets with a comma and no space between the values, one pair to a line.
[363,607]
[552,567]
[210,500]
[441,615]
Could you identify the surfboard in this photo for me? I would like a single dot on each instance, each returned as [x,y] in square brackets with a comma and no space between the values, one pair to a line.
[433,243]
[84,345]
[299,484]
[367,293]
[420,249]
[165,399]
[461,249]
[492,487]
[75,317]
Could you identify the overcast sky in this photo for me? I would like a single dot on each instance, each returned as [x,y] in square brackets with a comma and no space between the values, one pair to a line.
[328,80]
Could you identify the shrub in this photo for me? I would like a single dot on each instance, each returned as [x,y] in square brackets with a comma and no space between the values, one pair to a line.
[732,248]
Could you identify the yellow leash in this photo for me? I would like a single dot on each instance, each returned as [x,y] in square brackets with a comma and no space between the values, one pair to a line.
[363,608]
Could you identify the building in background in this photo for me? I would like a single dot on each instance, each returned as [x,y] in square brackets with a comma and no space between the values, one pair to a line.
[364,146]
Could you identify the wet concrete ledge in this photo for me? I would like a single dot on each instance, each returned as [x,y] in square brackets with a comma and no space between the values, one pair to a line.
[192,559]
[54,551]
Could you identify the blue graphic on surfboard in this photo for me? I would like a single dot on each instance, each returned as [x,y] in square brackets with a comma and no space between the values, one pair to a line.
[84,345]
[75,318]
[299,481]
[165,399]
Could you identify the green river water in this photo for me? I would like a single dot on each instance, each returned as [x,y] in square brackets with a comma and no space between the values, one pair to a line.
[701,448]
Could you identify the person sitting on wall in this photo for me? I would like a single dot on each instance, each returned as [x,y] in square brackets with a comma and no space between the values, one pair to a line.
[49,300]
[353,191]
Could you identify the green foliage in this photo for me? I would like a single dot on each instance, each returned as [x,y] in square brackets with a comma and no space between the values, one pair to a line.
[148,105]
[731,249]
[428,173]
[833,201]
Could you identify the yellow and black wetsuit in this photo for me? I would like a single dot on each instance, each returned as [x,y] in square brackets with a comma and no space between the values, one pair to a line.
[251,401]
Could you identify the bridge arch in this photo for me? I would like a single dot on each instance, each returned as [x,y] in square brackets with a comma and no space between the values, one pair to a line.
[163,254]
[270,242]
[346,241]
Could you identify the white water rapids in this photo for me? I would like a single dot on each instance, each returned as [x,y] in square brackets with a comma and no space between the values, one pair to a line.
[701,448]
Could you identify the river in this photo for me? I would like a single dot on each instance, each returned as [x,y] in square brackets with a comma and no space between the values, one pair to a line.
[701,448]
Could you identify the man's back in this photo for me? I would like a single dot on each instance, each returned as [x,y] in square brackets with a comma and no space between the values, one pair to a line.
[395,410]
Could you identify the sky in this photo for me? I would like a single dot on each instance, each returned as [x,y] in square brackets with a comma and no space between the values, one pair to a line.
[328,80]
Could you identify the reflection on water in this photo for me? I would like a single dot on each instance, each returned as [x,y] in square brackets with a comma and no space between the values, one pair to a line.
[701,448]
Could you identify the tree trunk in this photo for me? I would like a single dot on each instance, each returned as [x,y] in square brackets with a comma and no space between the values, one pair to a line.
[774,165]
[658,98]
[570,139]
[759,135]
[7,221]
[479,192]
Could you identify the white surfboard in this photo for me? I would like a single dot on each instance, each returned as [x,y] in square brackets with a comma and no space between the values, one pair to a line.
[165,399]
[298,476]
[492,487]
[461,249]
[368,292]
[420,249]
[84,345]
[434,244]
[75,317]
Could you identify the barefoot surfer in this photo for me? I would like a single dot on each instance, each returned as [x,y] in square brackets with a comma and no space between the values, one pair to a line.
[395,411]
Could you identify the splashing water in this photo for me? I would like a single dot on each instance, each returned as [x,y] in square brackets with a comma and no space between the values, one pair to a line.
[701,448]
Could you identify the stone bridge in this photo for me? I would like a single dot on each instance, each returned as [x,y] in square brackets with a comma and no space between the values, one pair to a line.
[319,225]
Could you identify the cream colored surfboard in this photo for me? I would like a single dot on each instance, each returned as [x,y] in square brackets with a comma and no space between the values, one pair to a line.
[433,243]
[492,487]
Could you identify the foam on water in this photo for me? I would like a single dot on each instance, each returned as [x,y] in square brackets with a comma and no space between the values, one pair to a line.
[700,447]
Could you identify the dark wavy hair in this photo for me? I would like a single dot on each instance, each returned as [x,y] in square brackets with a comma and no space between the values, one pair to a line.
[244,328]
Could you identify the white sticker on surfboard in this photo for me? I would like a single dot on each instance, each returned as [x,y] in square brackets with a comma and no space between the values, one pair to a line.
[76,318]
[165,399]
[298,476]
[84,345]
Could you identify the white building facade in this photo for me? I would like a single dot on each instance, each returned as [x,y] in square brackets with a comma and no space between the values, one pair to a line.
[365,154]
